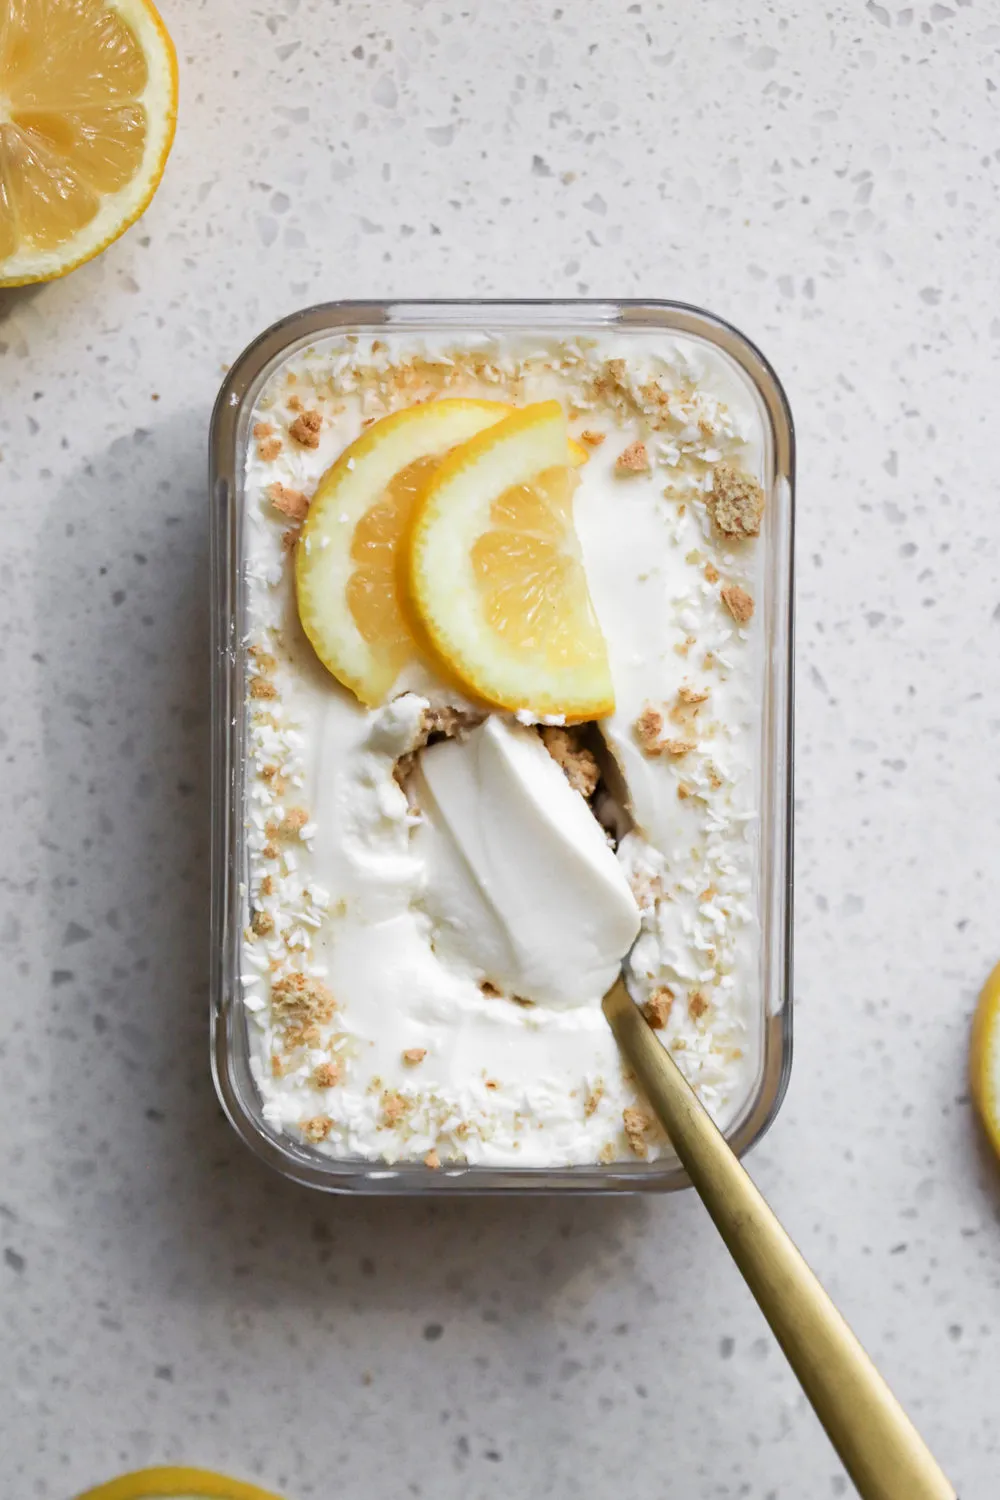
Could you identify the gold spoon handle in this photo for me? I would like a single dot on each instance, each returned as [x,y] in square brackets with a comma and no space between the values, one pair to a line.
[878,1445]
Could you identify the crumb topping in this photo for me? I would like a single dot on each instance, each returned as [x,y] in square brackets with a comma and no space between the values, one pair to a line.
[657,1008]
[593,1099]
[634,459]
[291,503]
[299,998]
[697,1004]
[317,1129]
[433,1161]
[636,1123]
[327,1074]
[648,729]
[738,602]
[414,1055]
[576,762]
[591,438]
[305,429]
[735,502]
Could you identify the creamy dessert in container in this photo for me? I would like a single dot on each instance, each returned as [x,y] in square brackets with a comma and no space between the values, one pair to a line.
[507,707]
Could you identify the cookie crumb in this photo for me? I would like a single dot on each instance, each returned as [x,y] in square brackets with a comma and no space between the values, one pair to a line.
[489,990]
[298,998]
[305,429]
[317,1129]
[735,502]
[738,602]
[648,728]
[677,748]
[697,1004]
[414,1055]
[261,688]
[591,438]
[291,503]
[691,697]
[636,1123]
[607,1154]
[394,1107]
[326,1074]
[657,1008]
[294,403]
[576,762]
[711,573]
[433,1161]
[262,923]
[593,1099]
[634,459]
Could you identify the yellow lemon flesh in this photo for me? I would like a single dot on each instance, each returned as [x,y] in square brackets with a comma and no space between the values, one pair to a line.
[495,576]
[346,559]
[984,1057]
[172,1483]
[88,105]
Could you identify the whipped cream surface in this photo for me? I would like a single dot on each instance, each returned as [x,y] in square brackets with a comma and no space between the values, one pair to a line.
[429,931]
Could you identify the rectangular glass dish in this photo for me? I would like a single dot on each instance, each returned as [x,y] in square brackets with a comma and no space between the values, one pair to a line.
[230,441]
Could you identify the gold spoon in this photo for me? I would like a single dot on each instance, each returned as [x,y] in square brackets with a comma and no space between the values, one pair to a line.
[878,1445]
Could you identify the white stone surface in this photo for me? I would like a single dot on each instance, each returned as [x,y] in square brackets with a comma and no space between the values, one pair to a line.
[825,176]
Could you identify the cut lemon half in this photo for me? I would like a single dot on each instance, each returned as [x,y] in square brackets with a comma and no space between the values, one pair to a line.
[88,105]
[984,1057]
[346,560]
[176,1484]
[495,574]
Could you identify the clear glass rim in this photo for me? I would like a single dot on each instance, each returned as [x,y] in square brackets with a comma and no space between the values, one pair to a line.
[229,426]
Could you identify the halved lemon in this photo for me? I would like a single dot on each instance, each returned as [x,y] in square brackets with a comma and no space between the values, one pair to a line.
[88,105]
[984,1057]
[346,563]
[495,574]
[172,1483]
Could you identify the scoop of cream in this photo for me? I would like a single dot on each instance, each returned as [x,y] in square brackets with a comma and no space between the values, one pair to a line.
[521,885]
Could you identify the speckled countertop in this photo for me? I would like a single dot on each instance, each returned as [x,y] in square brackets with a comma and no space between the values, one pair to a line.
[826,177]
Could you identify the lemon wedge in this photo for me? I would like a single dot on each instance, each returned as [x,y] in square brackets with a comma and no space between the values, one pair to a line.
[494,572]
[346,563]
[88,105]
[984,1057]
[176,1484]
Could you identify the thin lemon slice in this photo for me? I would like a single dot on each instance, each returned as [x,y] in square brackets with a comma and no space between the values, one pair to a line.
[346,563]
[495,575]
[88,105]
[176,1484]
[984,1057]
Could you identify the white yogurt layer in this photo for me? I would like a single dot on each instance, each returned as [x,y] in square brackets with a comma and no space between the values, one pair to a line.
[380,927]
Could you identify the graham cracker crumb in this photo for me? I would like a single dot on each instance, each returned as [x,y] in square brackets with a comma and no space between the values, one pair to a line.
[317,1129]
[267,886]
[262,923]
[657,1008]
[711,573]
[263,429]
[738,602]
[685,645]
[277,1065]
[268,448]
[327,1074]
[575,760]
[299,999]
[684,791]
[269,851]
[593,1099]
[714,779]
[433,1161]
[591,438]
[394,1107]
[697,1004]
[294,403]
[648,728]
[636,1124]
[634,459]
[735,502]
[305,429]
[288,540]
[490,990]
[291,503]
[690,696]
[286,827]
[606,1155]
[261,688]
[414,1055]
[447,723]
[677,748]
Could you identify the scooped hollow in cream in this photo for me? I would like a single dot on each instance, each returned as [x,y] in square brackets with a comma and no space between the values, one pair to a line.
[522,886]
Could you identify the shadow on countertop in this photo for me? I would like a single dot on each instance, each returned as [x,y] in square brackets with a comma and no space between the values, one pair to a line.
[155,1183]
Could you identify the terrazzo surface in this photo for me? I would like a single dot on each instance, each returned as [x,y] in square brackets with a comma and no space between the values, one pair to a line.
[824,176]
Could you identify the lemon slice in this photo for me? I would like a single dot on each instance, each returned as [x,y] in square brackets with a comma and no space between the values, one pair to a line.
[177,1484]
[984,1057]
[495,575]
[346,563]
[88,104]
